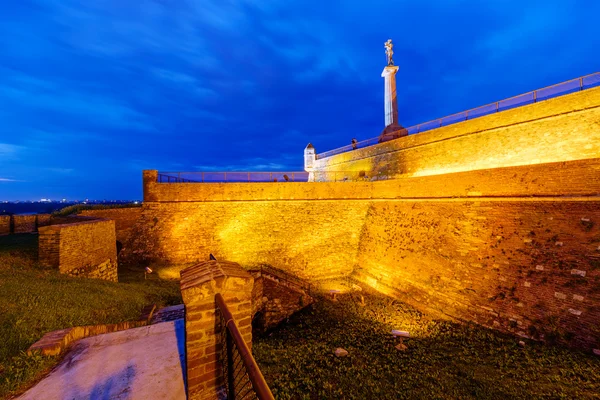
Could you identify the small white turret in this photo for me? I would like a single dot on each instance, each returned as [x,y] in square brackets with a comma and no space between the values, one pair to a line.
[309,158]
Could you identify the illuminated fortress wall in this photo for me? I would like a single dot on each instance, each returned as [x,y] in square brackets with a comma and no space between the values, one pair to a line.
[560,129]
[513,247]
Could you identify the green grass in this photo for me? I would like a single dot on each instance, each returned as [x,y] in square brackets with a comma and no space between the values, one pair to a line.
[34,301]
[444,360]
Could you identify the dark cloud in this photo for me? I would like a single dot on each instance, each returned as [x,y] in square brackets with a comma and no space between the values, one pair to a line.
[93,92]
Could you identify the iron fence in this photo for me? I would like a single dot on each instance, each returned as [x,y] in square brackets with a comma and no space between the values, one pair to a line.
[232,177]
[560,89]
[242,377]
[244,177]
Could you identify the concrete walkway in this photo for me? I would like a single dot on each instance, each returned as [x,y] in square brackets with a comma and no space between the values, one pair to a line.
[140,363]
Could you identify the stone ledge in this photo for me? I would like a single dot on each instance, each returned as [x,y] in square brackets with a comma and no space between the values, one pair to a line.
[53,343]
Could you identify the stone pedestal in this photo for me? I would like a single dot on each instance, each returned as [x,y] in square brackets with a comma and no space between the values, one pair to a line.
[203,331]
[392,129]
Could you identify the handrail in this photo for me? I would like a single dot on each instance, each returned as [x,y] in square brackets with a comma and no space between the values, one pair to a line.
[234,339]
[254,177]
[581,83]
[231,176]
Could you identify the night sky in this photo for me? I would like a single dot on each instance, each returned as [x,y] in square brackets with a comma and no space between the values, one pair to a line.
[92,92]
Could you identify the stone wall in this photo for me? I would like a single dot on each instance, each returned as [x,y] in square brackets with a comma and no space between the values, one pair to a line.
[86,248]
[531,267]
[494,220]
[44,219]
[125,219]
[309,239]
[24,223]
[274,302]
[5,225]
[560,129]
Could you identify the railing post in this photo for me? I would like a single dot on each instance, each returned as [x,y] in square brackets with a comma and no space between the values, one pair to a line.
[224,176]
[581,83]
[466,115]
[535,96]
[179,177]
[293,179]
[248,176]
[497,104]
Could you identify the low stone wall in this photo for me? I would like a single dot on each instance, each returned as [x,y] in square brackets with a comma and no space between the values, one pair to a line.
[86,248]
[5,224]
[273,302]
[24,223]
[44,220]
[125,219]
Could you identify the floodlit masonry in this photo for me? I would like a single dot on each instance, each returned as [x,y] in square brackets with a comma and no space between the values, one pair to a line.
[493,220]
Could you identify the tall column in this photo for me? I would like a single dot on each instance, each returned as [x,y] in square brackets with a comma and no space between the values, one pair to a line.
[390,103]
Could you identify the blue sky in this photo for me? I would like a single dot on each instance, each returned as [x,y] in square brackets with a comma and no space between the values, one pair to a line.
[92,92]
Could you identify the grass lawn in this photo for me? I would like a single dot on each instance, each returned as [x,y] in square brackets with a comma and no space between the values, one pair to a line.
[444,360]
[34,301]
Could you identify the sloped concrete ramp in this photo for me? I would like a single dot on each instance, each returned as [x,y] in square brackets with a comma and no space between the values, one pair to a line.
[140,363]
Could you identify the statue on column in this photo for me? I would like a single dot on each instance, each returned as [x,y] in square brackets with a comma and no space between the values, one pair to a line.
[389,52]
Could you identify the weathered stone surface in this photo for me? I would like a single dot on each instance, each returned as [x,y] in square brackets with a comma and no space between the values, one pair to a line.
[85,248]
[4,224]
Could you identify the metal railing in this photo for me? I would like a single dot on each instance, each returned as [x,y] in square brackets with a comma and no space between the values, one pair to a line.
[242,377]
[232,177]
[560,89]
[244,177]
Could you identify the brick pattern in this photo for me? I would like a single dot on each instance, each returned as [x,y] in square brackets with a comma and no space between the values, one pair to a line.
[308,239]
[55,342]
[86,249]
[560,129]
[549,179]
[44,219]
[5,225]
[530,268]
[273,302]
[24,223]
[125,219]
[199,285]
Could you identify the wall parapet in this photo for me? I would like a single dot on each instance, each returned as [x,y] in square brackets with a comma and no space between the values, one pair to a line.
[558,129]
[539,180]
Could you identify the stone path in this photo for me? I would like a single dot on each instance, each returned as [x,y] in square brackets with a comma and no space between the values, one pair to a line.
[139,363]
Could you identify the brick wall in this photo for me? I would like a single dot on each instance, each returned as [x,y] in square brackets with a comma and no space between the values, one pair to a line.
[559,129]
[530,267]
[310,239]
[494,220]
[203,328]
[4,224]
[430,240]
[44,219]
[24,223]
[86,249]
[124,219]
